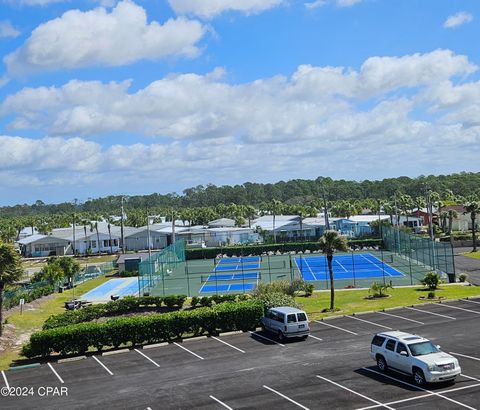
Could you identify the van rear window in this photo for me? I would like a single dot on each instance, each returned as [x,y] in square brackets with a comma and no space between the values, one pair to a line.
[378,340]
[291,318]
[302,317]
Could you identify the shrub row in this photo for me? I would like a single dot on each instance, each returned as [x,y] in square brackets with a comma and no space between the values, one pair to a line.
[121,306]
[12,299]
[77,339]
[207,301]
[211,253]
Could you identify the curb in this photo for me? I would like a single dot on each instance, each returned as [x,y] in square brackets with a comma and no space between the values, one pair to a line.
[235,332]
[25,366]
[71,359]
[192,339]
[152,346]
[112,352]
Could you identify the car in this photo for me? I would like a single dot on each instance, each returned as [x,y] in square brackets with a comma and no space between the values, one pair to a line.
[286,322]
[413,355]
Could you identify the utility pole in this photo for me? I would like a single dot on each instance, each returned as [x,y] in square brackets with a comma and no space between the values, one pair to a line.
[325,209]
[121,229]
[173,226]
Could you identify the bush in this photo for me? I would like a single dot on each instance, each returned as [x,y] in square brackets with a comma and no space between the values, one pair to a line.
[462,277]
[275,299]
[78,338]
[431,280]
[194,302]
[309,288]
[378,290]
[431,295]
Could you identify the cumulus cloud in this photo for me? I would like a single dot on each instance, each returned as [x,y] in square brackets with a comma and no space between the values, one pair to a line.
[211,8]
[193,107]
[347,3]
[7,30]
[315,4]
[458,19]
[99,37]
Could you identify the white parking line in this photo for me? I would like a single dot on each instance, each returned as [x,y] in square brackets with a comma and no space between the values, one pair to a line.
[430,313]
[5,379]
[471,301]
[146,357]
[367,321]
[459,308]
[189,351]
[336,327]
[420,388]
[470,377]
[228,344]
[315,337]
[55,373]
[422,396]
[221,402]
[266,338]
[286,398]
[464,355]
[401,317]
[101,364]
[354,392]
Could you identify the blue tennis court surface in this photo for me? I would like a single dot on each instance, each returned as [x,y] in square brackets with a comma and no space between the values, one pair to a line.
[359,266]
[239,267]
[234,276]
[120,287]
[237,261]
[234,287]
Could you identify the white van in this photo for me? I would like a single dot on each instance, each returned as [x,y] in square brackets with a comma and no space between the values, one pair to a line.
[286,322]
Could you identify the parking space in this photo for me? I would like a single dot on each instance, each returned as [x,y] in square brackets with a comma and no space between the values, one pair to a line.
[331,369]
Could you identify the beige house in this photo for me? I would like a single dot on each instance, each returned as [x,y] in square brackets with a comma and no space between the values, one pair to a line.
[462,222]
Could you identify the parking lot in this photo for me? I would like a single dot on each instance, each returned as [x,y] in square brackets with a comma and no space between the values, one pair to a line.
[332,369]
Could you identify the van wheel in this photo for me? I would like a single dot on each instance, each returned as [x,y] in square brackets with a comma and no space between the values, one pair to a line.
[280,335]
[305,337]
[382,364]
[418,377]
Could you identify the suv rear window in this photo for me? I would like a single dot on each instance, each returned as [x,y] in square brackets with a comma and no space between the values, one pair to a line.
[390,345]
[378,340]
[302,317]
[291,318]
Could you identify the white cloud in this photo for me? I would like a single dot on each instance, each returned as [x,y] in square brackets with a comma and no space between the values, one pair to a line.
[211,8]
[347,3]
[315,4]
[114,38]
[457,19]
[7,30]
[314,103]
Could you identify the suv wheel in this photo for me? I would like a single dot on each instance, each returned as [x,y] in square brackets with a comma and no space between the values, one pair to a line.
[280,335]
[382,364]
[418,377]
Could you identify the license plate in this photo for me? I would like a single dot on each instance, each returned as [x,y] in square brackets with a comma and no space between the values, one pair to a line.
[301,326]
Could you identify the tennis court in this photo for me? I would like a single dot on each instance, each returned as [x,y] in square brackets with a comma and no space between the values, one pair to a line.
[237,264]
[359,266]
[234,287]
[234,276]
[118,287]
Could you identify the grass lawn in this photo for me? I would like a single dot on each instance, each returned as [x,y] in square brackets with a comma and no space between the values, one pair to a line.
[39,263]
[32,320]
[474,255]
[352,301]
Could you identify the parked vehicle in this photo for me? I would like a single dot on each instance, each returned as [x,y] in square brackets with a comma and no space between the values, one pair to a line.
[286,322]
[413,355]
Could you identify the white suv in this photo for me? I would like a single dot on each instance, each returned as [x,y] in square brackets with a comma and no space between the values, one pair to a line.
[415,356]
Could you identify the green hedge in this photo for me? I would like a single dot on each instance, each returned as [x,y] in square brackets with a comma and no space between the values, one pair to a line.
[207,301]
[125,305]
[12,298]
[77,339]
[211,253]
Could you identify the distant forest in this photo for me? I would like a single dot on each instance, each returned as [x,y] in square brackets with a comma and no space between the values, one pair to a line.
[294,192]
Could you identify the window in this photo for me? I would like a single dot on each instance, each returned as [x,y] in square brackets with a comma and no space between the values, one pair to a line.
[280,317]
[390,345]
[401,348]
[291,318]
[419,349]
[94,244]
[302,317]
[378,340]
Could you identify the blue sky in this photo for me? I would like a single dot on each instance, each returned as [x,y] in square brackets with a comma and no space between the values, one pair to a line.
[102,97]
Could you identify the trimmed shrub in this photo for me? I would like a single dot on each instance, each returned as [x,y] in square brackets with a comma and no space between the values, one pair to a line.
[308,289]
[431,280]
[462,277]
[78,338]
[194,302]
[275,299]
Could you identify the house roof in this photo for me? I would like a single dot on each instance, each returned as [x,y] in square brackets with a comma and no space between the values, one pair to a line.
[222,222]
[142,255]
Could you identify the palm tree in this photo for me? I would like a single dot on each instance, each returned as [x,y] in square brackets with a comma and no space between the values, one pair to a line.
[472,207]
[10,271]
[330,242]
[452,214]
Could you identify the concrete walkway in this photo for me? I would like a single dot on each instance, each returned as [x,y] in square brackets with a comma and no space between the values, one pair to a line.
[470,266]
